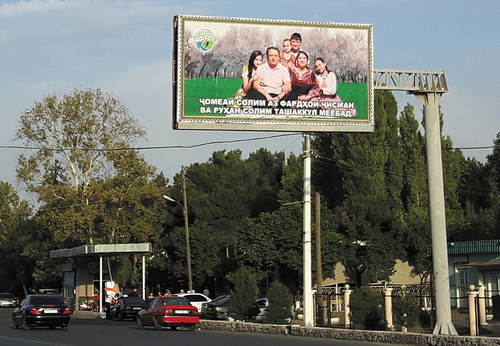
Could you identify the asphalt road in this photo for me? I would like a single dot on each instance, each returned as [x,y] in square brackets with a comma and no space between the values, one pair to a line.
[102,332]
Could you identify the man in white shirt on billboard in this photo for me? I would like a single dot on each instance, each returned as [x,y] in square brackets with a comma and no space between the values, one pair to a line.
[274,83]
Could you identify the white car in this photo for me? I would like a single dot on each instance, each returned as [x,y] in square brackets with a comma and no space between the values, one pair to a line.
[196,299]
[259,311]
[7,300]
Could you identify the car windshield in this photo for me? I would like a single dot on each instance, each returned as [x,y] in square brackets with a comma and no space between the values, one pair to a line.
[175,301]
[222,302]
[6,295]
[46,300]
[134,300]
[219,298]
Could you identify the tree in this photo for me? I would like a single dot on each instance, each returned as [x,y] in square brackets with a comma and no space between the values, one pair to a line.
[221,193]
[493,170]
[415,194]
[272,244]
[18,243]
[368,205]
[73,135]
[280,304]
[366,309]
[94,188]
[244,293]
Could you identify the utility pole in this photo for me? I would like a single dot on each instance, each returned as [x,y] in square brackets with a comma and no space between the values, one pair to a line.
[319,285]
[307,282]
[318,244]
[186,222]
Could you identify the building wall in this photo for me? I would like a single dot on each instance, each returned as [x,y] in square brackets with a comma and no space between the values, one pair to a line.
[401,276]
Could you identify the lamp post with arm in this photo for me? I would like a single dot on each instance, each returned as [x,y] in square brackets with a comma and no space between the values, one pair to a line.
[185,213]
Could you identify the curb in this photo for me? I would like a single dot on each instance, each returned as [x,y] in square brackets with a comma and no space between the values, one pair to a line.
[349,334]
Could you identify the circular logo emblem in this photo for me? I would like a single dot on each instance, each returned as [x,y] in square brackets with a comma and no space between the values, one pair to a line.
[204,39]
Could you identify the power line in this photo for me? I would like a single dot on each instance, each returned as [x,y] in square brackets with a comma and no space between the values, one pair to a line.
[158,147]
[202,145]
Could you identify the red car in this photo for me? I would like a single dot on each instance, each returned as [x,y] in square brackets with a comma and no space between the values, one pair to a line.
[168,311]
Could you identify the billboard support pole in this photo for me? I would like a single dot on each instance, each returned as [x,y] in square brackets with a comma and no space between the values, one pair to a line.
[307,284]
[430,100]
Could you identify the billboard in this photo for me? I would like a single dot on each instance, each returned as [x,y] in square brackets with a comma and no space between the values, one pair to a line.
[272,75]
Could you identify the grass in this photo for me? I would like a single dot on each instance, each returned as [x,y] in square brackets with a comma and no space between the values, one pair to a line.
[225,88]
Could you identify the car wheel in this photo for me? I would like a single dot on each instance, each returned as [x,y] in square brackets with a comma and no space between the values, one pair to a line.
[13,324]
[192,328]
[139,323]
[173,327]
[25,325]
[157,325]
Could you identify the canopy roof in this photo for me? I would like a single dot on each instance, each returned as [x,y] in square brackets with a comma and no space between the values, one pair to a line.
[102,250]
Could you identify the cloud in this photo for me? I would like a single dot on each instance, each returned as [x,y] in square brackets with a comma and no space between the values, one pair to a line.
[31,7]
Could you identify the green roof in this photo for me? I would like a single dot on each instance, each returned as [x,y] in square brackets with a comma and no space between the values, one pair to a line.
[475,246]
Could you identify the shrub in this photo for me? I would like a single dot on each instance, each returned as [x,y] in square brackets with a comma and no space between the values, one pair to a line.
[280,304]
[244,294]
[366,309]
[406,310]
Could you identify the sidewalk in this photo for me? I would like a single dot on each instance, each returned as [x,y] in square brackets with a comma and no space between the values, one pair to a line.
[88,314]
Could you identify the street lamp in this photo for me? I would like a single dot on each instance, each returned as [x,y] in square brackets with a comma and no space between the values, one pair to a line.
[185,212]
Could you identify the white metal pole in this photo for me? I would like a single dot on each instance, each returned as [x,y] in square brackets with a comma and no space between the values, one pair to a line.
[308,297]
[101,297]
[144,277]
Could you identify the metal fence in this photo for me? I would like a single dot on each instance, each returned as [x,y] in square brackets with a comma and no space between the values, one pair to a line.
[329,307]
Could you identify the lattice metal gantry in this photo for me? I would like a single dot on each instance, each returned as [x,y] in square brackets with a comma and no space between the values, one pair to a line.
[411,81]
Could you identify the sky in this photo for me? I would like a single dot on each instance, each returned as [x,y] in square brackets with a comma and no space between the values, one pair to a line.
[125,48]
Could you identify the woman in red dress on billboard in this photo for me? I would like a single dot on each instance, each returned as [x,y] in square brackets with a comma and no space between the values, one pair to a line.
[303,79]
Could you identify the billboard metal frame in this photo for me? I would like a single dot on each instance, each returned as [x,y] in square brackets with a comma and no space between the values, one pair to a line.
[311,119]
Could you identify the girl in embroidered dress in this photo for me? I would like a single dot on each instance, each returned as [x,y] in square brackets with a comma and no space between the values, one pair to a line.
[286,57]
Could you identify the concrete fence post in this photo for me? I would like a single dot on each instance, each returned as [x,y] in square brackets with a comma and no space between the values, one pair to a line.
[472,311]
[388,308]
[347,312]
[482,305]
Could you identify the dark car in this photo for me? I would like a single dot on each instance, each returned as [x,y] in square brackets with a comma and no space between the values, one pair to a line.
[7,300]
[125,307]
[217,309]
[41,310]
[203,311]
[169,311]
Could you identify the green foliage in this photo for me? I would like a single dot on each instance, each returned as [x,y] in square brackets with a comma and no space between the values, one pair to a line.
[244,293]
[92,189]
[361,176]
[366,309]
[72,133]
[20,245]
[280,304]
[406,310]
[221,193]
[272,243]
[129,273]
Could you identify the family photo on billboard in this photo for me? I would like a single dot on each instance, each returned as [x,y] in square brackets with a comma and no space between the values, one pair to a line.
[232,71]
